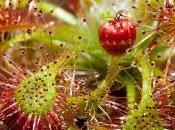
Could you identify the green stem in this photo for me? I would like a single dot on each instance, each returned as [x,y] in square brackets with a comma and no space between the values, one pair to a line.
[110,77]
[146,79]
[100,91]
[146,116]
[131,90]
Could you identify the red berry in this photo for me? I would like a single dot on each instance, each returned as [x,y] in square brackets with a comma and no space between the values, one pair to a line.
[117,35]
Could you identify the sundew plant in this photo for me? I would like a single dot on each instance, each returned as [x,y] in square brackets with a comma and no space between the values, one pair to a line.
[87,65]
